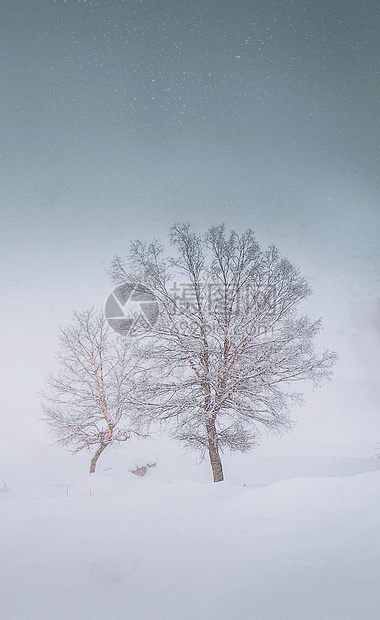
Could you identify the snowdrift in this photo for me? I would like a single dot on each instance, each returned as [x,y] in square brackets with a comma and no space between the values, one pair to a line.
[282,538]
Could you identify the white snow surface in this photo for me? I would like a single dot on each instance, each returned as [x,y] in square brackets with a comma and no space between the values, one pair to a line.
[282,538]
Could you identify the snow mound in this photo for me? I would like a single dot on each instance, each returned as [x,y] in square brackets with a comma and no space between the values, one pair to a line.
[282,538]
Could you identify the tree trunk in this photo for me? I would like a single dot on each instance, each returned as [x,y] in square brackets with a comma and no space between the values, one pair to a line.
[94,459]
[213,451]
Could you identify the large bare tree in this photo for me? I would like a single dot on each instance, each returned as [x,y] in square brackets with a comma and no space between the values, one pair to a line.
[89,404]
[228,343]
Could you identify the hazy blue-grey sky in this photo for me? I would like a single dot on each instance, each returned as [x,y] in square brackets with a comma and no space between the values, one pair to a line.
[111,109]
[120,117]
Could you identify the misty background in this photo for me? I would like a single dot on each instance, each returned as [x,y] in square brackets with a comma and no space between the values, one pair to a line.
[119,118]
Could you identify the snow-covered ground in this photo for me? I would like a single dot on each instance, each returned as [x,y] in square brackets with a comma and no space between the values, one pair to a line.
[282,538]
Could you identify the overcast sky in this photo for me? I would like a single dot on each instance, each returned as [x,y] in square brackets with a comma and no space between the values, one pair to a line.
[114,111]
[119,118]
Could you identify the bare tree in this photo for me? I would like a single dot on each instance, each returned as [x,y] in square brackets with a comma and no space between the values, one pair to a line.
[90,402]
[228,342]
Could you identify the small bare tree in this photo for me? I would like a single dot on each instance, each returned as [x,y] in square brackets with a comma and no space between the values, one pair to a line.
[228,342]
[90,402]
